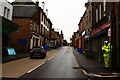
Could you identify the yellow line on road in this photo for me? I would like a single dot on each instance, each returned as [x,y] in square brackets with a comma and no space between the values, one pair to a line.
[77,63]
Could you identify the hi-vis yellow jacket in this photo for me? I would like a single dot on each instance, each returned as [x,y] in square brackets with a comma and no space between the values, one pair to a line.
[107,48]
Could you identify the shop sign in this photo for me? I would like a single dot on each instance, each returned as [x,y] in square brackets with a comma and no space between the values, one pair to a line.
[101,27]
[11,51]
[109,32]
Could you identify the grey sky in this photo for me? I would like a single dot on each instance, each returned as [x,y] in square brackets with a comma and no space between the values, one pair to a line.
[64,14]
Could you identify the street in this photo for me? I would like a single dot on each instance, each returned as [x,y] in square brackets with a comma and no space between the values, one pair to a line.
[49,39]
[59,65]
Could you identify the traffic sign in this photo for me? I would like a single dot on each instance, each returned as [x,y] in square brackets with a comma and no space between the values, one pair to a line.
[109,32]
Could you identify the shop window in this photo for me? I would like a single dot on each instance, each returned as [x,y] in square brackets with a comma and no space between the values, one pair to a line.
[34,26]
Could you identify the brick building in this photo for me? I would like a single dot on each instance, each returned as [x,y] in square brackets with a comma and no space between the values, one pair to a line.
[88,24]
[36,27]
[82,31]
[105,16]
[45,26]
[22,15]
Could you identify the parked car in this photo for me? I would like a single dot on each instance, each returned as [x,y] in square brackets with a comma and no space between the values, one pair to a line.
[37,52]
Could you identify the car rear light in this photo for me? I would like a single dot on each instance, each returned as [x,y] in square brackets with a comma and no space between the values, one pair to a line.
[31,51]
[42,51]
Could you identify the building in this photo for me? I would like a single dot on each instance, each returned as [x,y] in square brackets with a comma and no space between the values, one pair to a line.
[61,38]
[82,32]
[93,30]
[36,27]
[115,37]
[54,38]
[88,24]
[105,16]
[65,43]
[46,27]
[8,27]
[23,15]
[6,9]
[100,27]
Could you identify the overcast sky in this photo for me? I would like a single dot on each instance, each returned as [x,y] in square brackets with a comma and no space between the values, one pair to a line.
[64,14]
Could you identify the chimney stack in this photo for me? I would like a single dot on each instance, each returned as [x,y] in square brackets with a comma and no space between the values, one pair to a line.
[46,12]
[43,5]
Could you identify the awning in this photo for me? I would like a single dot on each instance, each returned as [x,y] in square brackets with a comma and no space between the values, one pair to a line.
[9,26]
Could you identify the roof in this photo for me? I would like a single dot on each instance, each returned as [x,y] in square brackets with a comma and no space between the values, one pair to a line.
[23,1]
[23,11]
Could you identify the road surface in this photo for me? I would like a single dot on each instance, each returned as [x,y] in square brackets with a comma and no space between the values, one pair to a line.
[60,66]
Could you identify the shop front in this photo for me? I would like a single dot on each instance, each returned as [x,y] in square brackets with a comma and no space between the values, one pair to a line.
[98,36]
[83,41]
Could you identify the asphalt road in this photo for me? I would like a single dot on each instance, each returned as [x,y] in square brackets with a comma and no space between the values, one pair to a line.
[60,66]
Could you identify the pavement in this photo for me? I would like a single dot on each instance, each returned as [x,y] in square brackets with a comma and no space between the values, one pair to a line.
[92,66]
[18,55]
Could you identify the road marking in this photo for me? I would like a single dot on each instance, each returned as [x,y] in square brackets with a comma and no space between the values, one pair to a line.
[35,67]
[50,58]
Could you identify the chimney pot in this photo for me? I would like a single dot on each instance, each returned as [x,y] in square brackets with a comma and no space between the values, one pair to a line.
[43,5]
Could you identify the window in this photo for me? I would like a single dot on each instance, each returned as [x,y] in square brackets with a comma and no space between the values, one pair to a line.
[44,20]
[8,13]
[89,16]
[52,36]
[41,28]
[34,26]
[37,28]
[100,12]
[104,6]
[5,11]
[96,15]
[42,17]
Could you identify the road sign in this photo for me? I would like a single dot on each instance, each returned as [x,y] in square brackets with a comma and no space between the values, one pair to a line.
[109,32]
